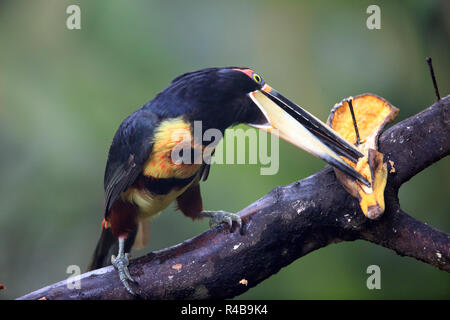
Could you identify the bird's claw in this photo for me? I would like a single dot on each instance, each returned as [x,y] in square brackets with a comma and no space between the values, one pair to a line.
[121,264]
[216,217]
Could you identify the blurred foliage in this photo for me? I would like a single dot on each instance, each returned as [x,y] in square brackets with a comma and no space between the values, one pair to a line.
[63,94]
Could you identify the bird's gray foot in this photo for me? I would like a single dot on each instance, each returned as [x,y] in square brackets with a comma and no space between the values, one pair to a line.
[121,264]
[216,217]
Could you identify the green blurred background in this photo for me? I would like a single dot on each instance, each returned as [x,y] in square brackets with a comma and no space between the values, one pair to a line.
[63,94]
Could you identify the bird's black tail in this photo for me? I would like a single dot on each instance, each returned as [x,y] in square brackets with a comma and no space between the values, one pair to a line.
[108,245]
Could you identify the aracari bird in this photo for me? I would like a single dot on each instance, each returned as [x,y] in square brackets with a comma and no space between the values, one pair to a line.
[141,179]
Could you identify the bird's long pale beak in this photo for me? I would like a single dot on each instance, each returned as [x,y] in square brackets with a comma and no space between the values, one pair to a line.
[297,126]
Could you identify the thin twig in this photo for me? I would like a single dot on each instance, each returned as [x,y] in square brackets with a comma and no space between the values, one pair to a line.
[355,125]
[436,90]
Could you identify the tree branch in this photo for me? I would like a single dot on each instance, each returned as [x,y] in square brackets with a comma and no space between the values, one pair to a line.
[286,224]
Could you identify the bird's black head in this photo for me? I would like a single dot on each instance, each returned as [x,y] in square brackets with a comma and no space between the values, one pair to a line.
[216,96]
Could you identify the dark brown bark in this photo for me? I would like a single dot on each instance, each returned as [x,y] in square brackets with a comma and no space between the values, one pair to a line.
[286,224]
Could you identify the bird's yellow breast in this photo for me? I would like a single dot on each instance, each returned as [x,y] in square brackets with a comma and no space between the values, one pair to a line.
[169,134]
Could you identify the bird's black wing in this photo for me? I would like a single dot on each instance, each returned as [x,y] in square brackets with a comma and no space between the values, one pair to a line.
[123,178]
[130,149]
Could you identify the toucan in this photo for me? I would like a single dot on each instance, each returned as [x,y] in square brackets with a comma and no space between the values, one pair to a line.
[142,179]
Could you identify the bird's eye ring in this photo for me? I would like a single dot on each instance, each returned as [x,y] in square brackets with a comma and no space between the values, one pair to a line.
[257,78]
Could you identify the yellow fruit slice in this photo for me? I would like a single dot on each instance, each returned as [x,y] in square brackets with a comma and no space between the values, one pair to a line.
[372,113]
